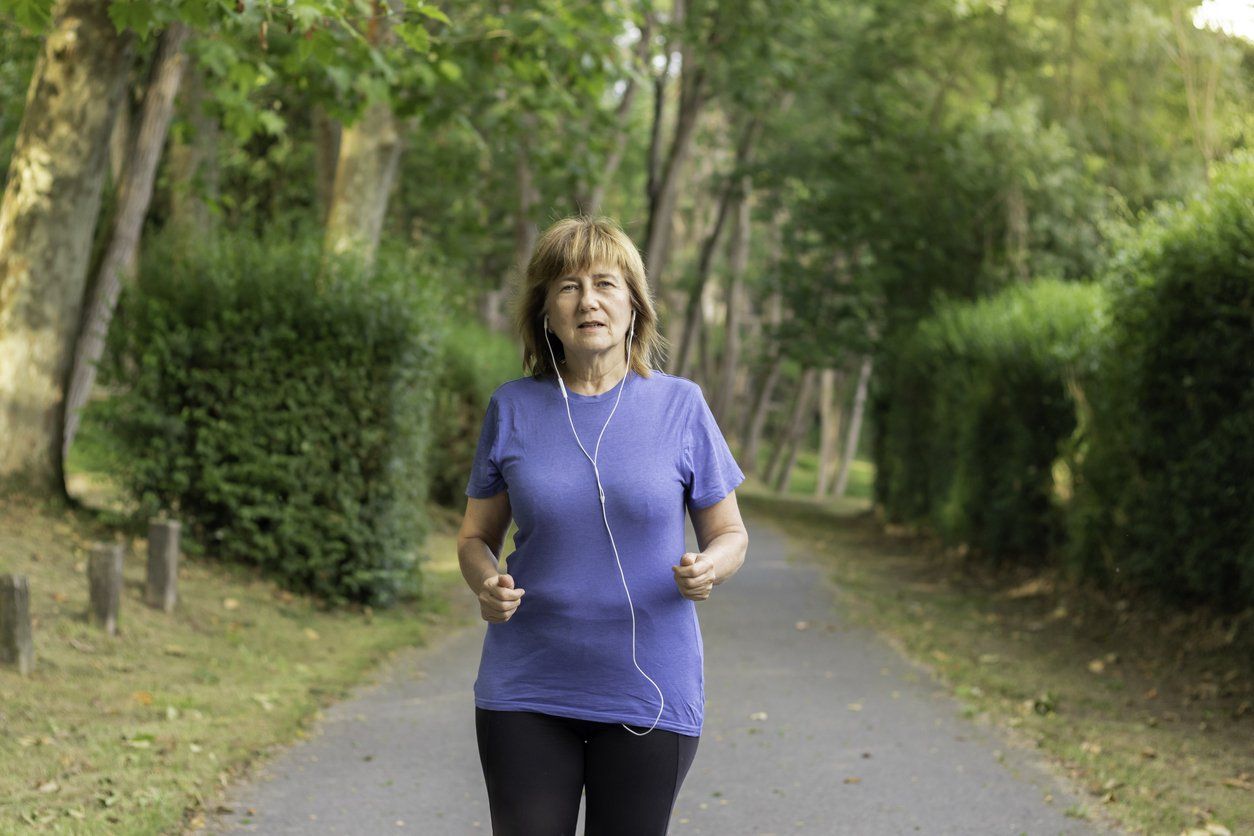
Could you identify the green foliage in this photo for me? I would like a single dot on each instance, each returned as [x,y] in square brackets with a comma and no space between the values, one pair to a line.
[1165,497]
[980,413]
[473,362]
[282,414]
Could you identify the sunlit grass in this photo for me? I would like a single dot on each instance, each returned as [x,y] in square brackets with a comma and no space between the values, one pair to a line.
[139,732]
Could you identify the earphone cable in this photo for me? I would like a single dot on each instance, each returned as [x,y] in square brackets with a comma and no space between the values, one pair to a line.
[601,492]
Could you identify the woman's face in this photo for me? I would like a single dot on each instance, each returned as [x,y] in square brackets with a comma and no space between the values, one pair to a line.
[598,294]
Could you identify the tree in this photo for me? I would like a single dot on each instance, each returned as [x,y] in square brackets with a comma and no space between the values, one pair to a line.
[47,220]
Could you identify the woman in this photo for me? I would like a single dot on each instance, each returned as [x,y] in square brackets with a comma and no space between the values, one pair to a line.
[591,678]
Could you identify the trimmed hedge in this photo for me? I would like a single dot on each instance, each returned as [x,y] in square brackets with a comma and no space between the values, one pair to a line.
[981,414]
[1109,426]
[1166,495]
[283,417]
[474,361]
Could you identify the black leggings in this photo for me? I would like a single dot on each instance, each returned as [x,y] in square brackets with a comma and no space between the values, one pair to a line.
[536,765]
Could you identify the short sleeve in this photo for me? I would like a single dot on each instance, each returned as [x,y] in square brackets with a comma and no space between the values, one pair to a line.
[485,471]
[710,471]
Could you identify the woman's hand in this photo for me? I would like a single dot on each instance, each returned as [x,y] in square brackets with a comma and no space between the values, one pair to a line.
[498,599]
[694,576]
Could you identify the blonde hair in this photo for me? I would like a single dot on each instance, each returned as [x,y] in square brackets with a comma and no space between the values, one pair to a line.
[574,245]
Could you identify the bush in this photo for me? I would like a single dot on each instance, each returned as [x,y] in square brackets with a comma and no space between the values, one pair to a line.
[982,414]
[284,417]
[1165,498]
[473,362]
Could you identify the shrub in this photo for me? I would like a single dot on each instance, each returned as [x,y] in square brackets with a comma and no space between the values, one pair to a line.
[985,414]
[1165,498]
[283,415]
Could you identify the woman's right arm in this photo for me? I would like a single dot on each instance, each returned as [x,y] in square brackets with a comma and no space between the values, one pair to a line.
[479,545]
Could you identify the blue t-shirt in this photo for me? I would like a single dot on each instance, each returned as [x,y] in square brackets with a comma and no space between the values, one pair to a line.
[566,650]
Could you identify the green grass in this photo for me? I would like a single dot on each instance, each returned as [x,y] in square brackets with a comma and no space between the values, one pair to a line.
[141,732]
[805,474]
[1155,739]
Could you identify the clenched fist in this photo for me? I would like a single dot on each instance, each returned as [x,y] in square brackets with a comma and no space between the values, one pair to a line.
[498,599]
[694,576]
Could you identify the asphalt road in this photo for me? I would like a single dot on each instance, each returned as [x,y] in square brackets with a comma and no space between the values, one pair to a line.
[822,730]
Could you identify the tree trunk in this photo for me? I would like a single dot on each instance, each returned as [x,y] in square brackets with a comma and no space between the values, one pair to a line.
[695,308]
[831,383]
[733,193]
[786,453]
[365,174]
[855,426]
[120,136]
[370,151]
[326,142]
[755,421]
[134,195]
[707,360]
[193,161]
[737,264]
[666,176]
[47,222]
[1018,245]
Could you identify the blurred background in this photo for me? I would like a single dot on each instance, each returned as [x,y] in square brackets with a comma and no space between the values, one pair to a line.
[977,275]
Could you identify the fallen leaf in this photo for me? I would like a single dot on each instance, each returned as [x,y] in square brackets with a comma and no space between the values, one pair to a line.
[311,634]
[852,780]
[230,604]
[1097,666]
[142,697]
[1038,586]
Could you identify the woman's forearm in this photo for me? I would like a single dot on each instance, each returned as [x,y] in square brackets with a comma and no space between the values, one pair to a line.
[727,551]
[477,563]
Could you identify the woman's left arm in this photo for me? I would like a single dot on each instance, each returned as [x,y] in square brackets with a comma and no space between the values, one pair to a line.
[723,541]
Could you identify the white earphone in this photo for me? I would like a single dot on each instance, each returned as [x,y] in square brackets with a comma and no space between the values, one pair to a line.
[601,491]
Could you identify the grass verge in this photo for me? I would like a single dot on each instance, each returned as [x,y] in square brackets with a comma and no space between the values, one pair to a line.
[1147,711]
[141,732]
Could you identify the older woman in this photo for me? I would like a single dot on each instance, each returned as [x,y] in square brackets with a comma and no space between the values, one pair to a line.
[591,677]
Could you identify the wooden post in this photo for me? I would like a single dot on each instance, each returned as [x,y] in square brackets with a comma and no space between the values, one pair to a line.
[104,573]
[16,647]
[163,564]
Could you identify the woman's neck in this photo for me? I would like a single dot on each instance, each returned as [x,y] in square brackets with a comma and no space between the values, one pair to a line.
[590,380]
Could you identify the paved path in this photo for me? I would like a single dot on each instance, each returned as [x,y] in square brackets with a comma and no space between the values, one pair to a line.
[400,755]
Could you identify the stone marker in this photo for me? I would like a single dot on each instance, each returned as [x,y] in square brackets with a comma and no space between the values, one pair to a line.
[16,646]
[104,573]
[163,564]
